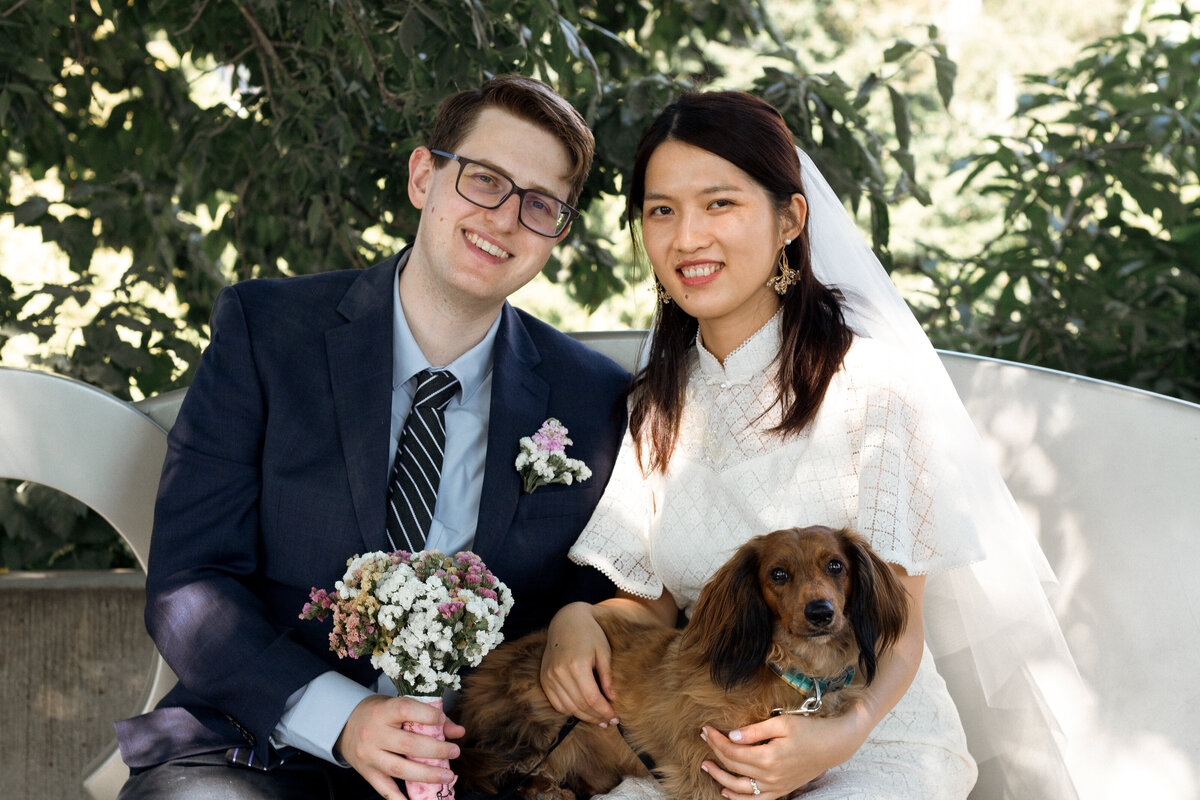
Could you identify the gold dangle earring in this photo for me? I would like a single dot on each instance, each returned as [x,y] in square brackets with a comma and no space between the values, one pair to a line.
[787,276]
[663,296]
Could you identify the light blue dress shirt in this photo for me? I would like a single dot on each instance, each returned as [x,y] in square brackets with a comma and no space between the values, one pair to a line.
[315,714]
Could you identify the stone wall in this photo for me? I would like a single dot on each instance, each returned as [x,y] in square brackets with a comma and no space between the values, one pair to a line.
[76,658]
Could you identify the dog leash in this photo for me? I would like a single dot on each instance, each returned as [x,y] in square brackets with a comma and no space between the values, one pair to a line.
[645,758]
[566,729]
[563,732]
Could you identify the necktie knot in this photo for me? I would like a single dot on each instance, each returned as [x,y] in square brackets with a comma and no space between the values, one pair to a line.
[435,388]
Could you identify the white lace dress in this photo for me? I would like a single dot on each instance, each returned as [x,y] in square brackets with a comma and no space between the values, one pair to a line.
[868,461]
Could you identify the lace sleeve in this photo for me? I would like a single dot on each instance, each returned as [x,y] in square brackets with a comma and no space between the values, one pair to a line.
[616,538]
[907,503]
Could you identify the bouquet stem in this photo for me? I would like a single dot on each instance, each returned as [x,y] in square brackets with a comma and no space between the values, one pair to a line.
[417,790]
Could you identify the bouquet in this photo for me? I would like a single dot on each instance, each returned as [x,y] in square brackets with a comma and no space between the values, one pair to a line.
[543,458]
[421,617]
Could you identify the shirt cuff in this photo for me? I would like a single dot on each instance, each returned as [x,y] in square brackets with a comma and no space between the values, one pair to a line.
[315,714]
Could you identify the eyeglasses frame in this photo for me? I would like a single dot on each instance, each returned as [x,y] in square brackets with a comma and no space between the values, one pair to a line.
[520,191]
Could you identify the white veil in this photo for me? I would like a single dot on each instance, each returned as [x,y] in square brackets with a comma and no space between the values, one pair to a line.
[989,625]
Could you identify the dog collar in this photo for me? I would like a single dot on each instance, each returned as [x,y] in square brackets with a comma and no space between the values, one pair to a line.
[811,688]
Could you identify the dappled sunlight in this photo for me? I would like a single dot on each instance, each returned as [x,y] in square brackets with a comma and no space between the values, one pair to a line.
[1106,476]
[1137,764]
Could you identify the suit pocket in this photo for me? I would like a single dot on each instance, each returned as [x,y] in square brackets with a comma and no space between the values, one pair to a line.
[547,502]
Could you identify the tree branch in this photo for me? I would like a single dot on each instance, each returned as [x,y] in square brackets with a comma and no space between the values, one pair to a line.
[13,8]
[388,96]
[195,18]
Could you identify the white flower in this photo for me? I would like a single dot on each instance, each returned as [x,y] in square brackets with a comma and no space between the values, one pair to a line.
[423,627]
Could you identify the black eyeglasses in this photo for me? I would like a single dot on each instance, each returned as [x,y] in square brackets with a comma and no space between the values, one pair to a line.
[487,187]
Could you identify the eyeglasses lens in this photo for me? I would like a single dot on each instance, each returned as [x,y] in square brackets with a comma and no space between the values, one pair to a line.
[488,189]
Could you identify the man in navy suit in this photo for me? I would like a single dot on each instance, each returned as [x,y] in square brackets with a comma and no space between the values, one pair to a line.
[279,464]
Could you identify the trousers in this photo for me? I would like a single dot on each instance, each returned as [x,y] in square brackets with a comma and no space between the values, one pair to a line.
[210,777]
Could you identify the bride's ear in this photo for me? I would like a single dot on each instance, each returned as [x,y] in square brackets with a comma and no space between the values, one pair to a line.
[794,216]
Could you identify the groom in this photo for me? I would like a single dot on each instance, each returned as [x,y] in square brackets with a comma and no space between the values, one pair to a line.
[280,466]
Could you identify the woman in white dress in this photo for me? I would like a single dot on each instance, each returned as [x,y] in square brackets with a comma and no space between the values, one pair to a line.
[762,407]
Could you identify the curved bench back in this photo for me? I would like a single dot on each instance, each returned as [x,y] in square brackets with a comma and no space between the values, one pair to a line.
[1108,476]
[84,442]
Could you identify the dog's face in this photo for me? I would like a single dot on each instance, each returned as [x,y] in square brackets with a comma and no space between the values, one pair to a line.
[803,592]
[804,575]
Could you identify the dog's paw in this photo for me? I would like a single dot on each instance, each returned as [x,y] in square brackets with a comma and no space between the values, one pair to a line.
[540,787]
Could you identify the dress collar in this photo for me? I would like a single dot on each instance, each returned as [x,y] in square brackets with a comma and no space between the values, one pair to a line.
[749,359]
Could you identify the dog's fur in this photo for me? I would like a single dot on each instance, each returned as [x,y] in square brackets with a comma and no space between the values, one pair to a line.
[763,606]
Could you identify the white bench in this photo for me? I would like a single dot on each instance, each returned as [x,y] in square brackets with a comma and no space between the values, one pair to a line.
[1108,476]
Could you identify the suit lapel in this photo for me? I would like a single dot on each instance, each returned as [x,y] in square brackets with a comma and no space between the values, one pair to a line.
[360,368]
[518,408]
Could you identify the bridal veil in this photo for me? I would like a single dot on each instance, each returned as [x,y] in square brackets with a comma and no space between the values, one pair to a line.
[989,625]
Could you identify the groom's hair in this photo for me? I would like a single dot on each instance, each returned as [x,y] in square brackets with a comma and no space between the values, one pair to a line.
[532,101]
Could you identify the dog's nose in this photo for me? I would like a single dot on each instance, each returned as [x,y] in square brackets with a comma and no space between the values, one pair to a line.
[819,613]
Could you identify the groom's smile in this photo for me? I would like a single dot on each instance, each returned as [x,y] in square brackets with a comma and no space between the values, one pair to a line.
[486,246]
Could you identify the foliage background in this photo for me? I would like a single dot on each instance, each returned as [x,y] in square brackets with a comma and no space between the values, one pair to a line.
[165,149]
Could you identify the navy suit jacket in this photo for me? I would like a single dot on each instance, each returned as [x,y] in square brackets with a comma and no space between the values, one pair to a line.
[276,473]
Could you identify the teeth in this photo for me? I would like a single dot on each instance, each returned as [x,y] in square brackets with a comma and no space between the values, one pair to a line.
[700,271]
[487,247]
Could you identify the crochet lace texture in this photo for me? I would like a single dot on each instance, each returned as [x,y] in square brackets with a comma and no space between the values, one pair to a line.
[870,460]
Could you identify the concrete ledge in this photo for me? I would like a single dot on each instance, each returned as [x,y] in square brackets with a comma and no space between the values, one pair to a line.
[69,640]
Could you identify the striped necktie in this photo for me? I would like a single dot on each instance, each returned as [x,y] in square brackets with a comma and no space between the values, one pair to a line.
[412,490]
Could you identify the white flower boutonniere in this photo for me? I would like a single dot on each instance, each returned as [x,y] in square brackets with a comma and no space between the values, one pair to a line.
[543,458]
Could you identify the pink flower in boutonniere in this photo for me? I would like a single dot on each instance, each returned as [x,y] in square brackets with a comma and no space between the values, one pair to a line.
[543,458]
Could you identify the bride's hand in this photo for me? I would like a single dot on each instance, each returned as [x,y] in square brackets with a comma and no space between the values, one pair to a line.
[781,754]
[577,654]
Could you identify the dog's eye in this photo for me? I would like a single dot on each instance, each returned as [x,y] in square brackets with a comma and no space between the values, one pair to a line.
[835,567]
[780,575]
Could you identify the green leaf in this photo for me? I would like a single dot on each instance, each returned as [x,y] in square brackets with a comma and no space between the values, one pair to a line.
[31,210]
[898,50]
[946,72]
[901,118]
[38,71]
[865,88]
[571,37]
[411,34]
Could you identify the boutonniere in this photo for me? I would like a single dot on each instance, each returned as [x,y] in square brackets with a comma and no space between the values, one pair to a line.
[543,458]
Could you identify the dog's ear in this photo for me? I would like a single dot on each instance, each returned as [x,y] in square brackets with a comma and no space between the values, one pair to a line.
[731,624]
[878,607]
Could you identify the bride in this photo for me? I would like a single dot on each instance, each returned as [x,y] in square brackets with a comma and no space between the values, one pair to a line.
[788,384]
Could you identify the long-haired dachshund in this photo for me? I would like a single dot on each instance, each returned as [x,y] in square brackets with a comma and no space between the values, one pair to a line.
[794,613]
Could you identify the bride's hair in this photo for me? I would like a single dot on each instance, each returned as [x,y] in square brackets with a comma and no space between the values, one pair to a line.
[750,134]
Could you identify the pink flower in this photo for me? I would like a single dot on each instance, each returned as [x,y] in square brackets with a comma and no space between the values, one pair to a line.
[552,436]
[448,610]
[318,605]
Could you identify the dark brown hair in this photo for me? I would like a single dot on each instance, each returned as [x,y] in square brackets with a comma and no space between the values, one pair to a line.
[750,134]
[529,99]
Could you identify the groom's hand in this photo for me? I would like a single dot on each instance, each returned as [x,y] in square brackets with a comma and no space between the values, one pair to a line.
[376,745]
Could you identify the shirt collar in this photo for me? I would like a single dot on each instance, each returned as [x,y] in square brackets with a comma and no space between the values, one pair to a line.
[407,359]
